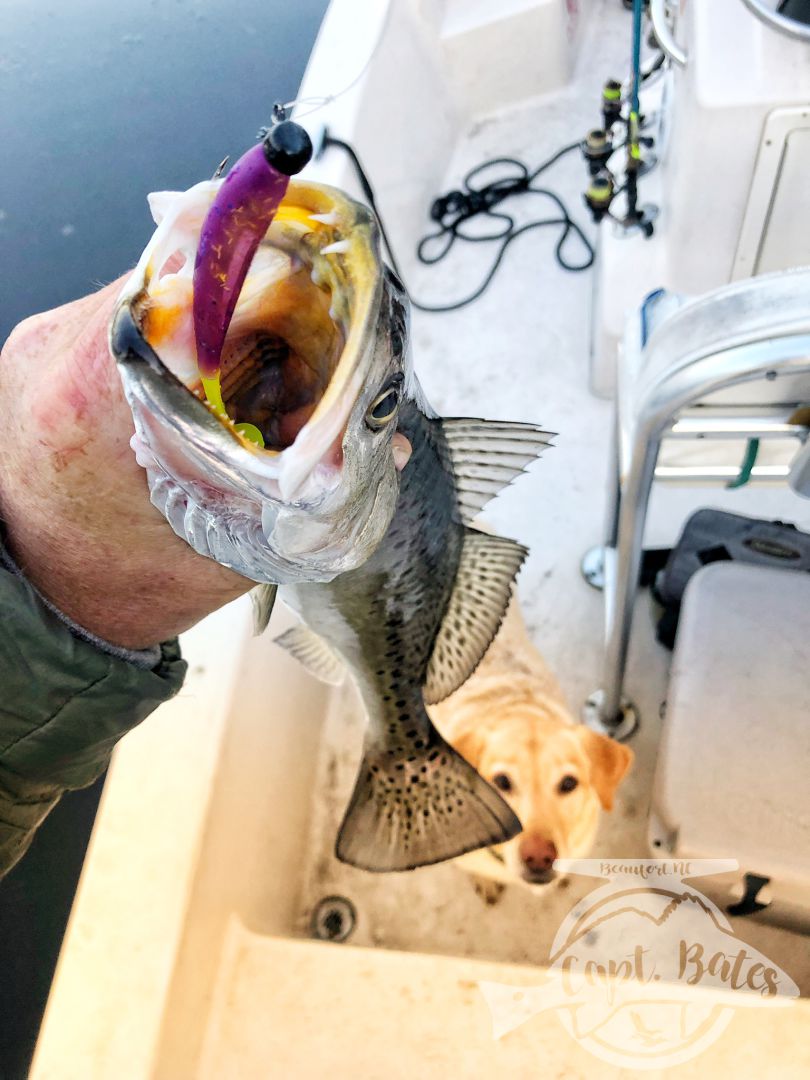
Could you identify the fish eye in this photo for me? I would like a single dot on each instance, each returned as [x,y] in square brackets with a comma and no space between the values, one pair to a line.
[502,782]
[568,783]
[383,408]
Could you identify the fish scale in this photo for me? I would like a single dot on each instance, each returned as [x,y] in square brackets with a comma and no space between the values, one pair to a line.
[416,801]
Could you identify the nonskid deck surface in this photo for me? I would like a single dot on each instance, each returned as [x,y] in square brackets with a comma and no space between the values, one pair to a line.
[521,353]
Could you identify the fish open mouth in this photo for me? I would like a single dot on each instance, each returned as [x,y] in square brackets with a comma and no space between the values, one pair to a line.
[276,372]
[294,341]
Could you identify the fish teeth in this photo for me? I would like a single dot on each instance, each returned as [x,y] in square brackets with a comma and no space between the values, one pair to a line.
[340,247]
[326,219]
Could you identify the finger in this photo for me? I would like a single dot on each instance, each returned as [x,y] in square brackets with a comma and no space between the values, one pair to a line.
[402,451]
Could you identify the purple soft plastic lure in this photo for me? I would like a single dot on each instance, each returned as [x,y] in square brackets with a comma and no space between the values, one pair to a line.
[234,227]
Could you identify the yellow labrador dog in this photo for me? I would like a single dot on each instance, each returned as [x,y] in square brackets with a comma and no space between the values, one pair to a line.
[510,721]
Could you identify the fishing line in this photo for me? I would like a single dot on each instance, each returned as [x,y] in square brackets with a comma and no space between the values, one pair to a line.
[453,210]
[319,102]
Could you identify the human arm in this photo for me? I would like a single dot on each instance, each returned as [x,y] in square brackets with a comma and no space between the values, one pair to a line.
[81,536]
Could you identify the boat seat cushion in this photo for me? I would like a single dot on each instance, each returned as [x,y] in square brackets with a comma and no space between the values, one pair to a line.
[733,774]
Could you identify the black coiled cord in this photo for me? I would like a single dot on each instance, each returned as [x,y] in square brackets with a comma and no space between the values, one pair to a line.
[453,210]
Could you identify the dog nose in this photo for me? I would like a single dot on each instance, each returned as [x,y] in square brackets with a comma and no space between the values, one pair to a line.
[537,853]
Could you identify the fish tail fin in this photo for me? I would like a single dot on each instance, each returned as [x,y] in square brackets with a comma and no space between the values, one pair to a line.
[416,807]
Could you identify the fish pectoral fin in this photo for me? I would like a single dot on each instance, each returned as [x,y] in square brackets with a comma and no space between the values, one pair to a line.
[442,812]
[313,652]
[263,597]
[487,455]
[478,603]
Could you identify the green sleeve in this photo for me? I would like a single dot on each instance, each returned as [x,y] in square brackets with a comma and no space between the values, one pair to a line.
[64,705]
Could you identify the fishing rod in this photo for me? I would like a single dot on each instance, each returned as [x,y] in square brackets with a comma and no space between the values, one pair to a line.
[633,145]
[620,109]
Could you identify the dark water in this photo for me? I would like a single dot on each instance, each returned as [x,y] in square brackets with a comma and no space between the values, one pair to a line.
[102,101]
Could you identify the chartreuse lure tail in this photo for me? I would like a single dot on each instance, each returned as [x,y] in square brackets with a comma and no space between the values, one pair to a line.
[240,215]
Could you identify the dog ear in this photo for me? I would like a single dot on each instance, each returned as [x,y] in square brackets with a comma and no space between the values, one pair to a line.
[610,760]
[468,739]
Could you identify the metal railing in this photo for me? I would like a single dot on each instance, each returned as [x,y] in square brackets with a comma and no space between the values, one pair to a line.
[751,330]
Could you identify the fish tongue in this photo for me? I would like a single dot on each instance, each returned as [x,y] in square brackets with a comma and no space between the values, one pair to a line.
[420,804]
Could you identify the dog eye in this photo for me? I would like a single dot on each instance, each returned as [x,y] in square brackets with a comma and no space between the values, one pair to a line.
[568,783]
[502,781]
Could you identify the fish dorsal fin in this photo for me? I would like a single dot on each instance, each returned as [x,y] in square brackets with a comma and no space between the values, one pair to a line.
[263,597]
[478,603]
[487,455]
[313,652]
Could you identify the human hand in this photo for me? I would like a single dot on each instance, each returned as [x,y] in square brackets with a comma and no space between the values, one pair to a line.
[74,502]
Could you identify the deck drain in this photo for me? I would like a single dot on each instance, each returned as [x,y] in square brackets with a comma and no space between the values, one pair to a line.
[333,919]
